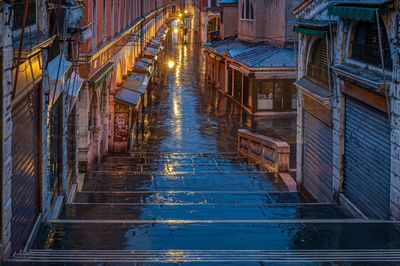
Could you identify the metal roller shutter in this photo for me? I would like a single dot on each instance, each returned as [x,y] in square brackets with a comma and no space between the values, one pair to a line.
[24,188]
[317,158]
[367,159]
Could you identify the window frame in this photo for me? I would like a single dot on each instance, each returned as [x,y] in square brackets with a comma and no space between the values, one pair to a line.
[358,62]
[247,12]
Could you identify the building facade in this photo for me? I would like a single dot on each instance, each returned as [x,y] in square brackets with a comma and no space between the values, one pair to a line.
[62,63]
[120,31]
[348,105]
[37,168]
[257,67]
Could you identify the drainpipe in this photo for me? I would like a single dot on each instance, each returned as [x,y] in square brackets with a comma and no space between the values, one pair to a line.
[141,26]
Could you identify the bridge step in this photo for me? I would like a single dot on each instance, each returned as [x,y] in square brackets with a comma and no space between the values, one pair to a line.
[172,256]
[203,211]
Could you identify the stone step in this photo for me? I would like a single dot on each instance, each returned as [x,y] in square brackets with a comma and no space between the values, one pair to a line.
[190,197]
[122,181]
[231,154]
[215,257]
[180,161]
[177,168]
[203,212]
[277,235]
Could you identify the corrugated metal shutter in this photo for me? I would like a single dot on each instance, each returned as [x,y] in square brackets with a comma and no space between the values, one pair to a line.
[317,158]
[367,159]
[25,179]
[55,147]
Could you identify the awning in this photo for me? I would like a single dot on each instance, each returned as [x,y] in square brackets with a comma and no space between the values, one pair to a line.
[127,96]
[74,84]
[309,31]
[101,74]
[137,82]
[145,65]
[313,24]
[151,51]
[314,90]
[354,12]
[58,69]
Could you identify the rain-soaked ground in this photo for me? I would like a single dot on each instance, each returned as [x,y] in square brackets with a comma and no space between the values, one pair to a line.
[184,196]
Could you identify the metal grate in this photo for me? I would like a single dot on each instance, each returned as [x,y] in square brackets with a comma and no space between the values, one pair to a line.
[365,47]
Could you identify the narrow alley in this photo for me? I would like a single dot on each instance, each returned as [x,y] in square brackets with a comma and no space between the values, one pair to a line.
[184,194]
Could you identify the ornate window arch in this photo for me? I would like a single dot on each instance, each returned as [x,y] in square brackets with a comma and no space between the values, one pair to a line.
[365,44]
[318,63]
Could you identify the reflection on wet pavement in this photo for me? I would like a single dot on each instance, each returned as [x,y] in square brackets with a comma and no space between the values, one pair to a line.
[184,195]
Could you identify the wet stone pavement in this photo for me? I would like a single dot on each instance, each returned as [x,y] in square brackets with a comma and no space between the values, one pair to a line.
[184,196]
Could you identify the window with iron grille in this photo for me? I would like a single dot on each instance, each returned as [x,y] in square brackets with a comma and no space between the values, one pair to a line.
[317,67]
[365,46]
[18,7]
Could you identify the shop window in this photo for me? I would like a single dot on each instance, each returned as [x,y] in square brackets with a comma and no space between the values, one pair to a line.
[238,86]
[266,95]
[230,81]
[173,9]
[247,10]
[317,67]
[277,95]
[365,47]
[246,91]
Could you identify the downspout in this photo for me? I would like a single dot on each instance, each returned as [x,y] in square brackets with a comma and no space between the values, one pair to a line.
[383,66]
[141,26]
[21,42]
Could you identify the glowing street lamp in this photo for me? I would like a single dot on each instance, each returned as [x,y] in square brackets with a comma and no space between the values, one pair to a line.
[171,63]
[176,30]
[180,14]
[186,11]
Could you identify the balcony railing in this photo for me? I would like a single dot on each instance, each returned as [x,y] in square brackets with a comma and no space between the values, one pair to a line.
[318,74]
[18,13]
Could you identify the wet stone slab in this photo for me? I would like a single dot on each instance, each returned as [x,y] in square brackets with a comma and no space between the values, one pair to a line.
[251,181]
[203,212]
[217,236]
[190,197]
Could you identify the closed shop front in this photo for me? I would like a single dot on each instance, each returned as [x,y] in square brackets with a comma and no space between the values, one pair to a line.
[72,146]
[367,158]
[55,148]
[317,151]
[25,167]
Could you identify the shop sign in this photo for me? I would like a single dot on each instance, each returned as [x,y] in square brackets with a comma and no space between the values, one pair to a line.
[121,124]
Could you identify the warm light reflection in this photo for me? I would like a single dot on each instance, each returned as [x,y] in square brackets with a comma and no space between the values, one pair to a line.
[176,30]
[186,11]
[171,64]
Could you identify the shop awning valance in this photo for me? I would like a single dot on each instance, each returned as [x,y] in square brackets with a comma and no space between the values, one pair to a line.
[58,74]
[141,79]
[101,74]
[354,12]
[134,85]
[309,31]
[74,84]
[128,97]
